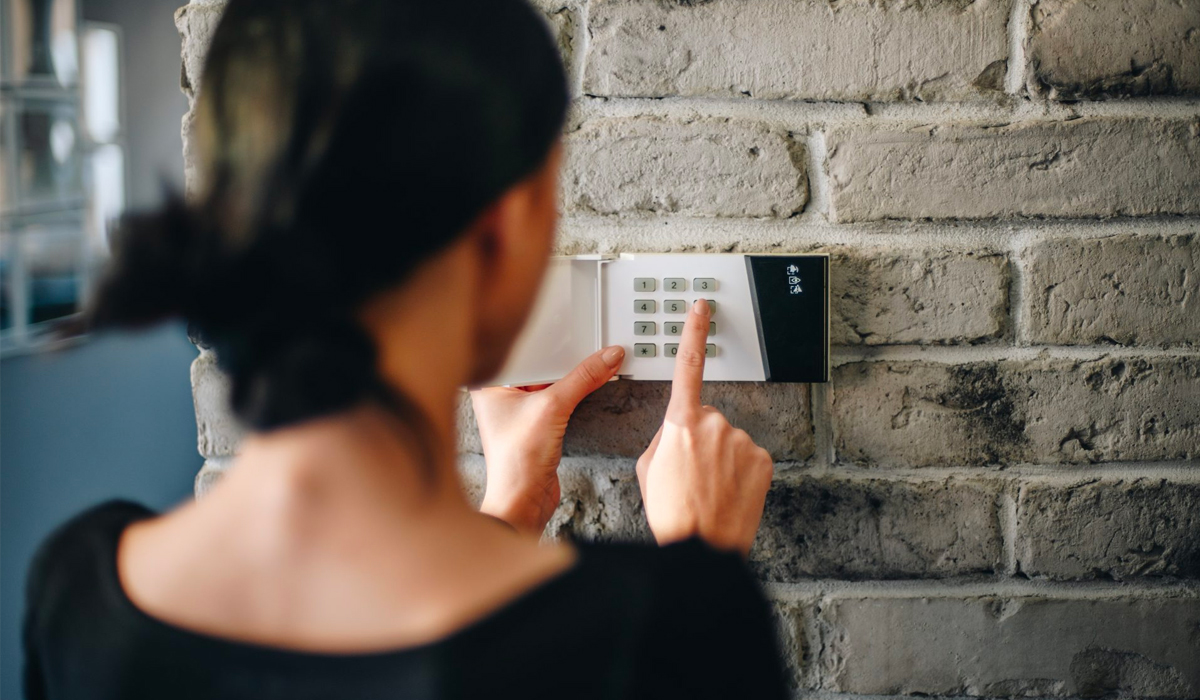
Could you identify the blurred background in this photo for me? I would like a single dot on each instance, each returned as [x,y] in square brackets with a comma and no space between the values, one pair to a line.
[90,109]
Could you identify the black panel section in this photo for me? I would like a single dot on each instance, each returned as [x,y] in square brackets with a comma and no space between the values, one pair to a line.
[791,309]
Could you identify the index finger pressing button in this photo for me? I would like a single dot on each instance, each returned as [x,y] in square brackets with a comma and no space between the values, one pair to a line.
[689,365]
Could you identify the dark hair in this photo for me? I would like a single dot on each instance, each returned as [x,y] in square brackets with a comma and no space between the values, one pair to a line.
[339,144]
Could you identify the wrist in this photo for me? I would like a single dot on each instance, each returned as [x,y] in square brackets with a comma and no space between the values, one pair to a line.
[524,516]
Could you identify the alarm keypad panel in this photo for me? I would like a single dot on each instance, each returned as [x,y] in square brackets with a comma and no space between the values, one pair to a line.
[769,316]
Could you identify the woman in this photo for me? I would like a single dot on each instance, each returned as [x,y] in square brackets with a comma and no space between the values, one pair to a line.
[376,206]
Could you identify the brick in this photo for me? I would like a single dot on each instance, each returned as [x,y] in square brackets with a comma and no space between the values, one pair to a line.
[703,167]
[601,500]
[798,49]
[1014,646]
[1122,48]
[793,619]
[1117,529]
[1093,167]
[210,473]
[562,18]
[196,24]
[880,297]
[833,527]
[1127,289]
[218,430]
[620,418]
[1039,411]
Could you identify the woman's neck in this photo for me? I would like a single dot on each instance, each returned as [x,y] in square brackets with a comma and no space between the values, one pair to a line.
[366,453]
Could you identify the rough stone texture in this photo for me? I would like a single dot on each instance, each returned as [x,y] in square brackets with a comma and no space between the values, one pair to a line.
[1114,48]
[889,297]
[1116,529]
[1006,647]
[824,526]
[196,23]
[1127,289]
[793,618]
[1093,167]
[702,167]
[601,500]
[562,19]
[797,49]
[1041,411]
[621,417]
[217,429]
[210,474]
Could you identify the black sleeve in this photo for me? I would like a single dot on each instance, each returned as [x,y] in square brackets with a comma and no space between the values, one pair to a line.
[32,680]
[36,584]
[713,633]
[64,559]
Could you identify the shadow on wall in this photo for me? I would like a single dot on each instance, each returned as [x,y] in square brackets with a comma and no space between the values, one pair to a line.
[111,418]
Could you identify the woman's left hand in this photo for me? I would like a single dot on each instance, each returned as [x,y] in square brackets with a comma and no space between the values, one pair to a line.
[522,433]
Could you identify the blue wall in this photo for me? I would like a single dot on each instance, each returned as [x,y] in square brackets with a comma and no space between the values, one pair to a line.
[109,418]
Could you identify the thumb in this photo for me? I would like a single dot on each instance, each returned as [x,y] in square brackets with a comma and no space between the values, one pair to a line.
[588,376]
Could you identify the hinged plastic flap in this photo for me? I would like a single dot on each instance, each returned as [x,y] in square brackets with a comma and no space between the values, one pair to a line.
[562,328]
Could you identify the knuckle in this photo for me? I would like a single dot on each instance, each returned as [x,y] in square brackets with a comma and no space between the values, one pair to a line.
[690,358]
[589,373]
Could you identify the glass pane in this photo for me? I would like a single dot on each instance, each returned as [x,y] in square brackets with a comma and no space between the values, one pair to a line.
[47,166]
[101,83]
[108,193]
[40,40]
[53,262]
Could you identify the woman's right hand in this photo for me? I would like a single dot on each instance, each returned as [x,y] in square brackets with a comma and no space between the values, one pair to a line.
[700,475]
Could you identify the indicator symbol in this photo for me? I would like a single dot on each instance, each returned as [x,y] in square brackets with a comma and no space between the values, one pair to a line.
[796,289]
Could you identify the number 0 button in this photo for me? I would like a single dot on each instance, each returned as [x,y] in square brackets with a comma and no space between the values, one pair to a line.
[704,284]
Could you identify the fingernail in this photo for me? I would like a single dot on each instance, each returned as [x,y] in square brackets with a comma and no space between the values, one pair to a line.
[612,356]
[701,307]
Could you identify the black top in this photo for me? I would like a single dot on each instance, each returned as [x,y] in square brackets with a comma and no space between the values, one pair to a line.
[625,621]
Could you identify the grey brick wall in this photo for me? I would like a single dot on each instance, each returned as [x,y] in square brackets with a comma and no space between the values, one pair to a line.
[998,495]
